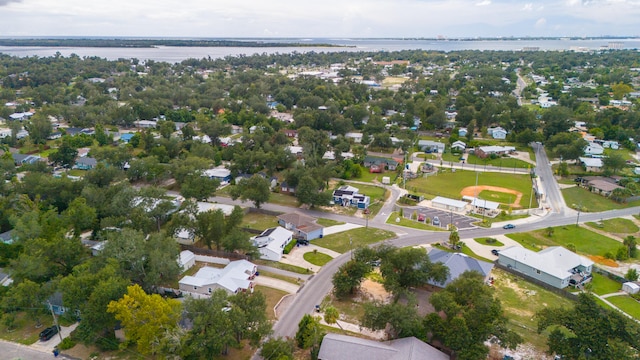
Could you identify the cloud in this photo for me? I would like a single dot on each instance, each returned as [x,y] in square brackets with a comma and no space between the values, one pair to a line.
[484,3]
[541,23]
[7,2]
[527,7]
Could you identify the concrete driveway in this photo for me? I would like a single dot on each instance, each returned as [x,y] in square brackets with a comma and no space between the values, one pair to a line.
[296,256]
[485,250]
[47,346]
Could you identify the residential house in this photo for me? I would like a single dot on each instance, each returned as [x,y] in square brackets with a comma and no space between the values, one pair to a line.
[146,124]
[290,133]
[384,163]
[127,137]
[484,151]
[54,135]
[5,279]
[6,237]
[497,132]
[344,347]
[458,263]
[237,276]
[223,175]
[285,188]
[458,145]
[85,163]
[73,131]
[431,146]
[205,139]
[303,226]
[21,159]
[349,196]
[603,186]
[462,132]
[554,265]
[21,116]
[591,164]
[271,242]
[5,133]
[355,136]
[593,149]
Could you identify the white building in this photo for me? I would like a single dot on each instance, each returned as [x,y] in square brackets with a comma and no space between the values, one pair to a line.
[271,242]
[235,277]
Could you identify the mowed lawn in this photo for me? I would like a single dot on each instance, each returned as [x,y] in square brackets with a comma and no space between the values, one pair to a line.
[449,184]
[585,241]
[616,226]
[602,285]
[347,240]
[259,221]
[627,304]
[591,202]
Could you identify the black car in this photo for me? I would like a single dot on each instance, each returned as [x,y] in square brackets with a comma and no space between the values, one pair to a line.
[494,252]
[48,333]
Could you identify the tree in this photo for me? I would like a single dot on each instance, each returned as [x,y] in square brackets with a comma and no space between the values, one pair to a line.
[398,319]
[348,277]
[213,328]
[630,243]
[39,128]
[331,315]
[631,275]
[408,267]
[472,315]
[209,227]
[454,238]
[277,349]
[65,155]
[144,317]
[199,187]
[549,231]
[80,216]
[613,163]
[588,330]
[249,317]
[256,189]
[309,333]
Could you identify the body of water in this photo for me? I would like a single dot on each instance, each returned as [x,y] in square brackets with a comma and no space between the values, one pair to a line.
[178,54]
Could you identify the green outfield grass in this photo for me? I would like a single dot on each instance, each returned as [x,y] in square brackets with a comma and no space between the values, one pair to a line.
[449,184]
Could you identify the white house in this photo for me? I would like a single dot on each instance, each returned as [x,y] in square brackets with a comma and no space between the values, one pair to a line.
[271,242]
[497,132]
[222,174]
[591,164]
[355,136]
[593,149]
[459,145]
[462,132]
[146,124]
[187,260]
[235,277]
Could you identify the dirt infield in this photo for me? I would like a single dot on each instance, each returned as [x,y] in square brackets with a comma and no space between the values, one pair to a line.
[475,190]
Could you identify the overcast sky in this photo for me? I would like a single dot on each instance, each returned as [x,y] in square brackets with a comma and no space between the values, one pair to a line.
[322,18]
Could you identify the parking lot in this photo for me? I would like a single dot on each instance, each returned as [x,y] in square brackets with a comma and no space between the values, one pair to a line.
[445,217]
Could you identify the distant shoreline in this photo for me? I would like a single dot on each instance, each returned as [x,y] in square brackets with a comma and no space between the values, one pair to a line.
[152,43]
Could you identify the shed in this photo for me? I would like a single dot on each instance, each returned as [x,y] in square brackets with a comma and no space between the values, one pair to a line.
[630,287]
[187,260]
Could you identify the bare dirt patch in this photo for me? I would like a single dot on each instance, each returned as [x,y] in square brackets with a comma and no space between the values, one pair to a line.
[604,261]
[475,190]
[371,290]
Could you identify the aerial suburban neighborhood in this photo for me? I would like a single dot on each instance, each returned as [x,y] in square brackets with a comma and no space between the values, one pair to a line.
[348,205]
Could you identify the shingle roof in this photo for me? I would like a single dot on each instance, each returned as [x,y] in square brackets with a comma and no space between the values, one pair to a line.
[342,347]
[458,264]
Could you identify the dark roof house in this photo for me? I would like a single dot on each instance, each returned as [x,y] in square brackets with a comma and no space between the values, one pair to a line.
[458,263]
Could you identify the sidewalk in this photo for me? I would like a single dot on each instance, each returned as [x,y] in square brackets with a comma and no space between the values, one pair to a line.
[343,325]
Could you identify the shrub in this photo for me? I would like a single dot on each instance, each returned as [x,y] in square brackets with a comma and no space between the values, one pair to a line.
[609,255]
[290,245]
[622,253]
[490,240]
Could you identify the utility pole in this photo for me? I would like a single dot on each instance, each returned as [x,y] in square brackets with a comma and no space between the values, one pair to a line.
[55,320]
[351,247]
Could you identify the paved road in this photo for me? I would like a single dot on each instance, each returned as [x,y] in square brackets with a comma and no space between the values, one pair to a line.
[552,191]
[14,351]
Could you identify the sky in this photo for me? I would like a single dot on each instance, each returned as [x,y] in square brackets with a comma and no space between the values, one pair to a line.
[319,19]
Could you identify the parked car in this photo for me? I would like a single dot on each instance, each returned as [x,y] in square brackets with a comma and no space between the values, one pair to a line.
[509,226]
[48,333]
[436,221]
[422,217]
[494,252]
[302,242]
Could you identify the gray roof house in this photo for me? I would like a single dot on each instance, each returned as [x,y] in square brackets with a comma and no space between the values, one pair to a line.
[554,265]
[433,146]
[343,347]
[458,263]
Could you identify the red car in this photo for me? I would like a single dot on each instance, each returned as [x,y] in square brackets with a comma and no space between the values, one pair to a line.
[422,217]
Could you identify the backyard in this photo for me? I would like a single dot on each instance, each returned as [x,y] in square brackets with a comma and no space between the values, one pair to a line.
[450,184]
[258,221]
[627,304]
[347,240]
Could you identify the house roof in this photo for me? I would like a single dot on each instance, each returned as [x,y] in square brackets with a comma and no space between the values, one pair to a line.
[217,172]
[233,277]
[603,185]
[127,136]
[458,263]
[459,143]
[431,143]
[343,347]
[591,162]
[88,161]
[6,237]
[496,149]
[555,260]
[296,218]
[273,238]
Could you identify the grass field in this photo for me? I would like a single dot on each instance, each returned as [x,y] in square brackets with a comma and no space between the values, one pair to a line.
[496,196]
[602,285]
[500,162]
[627,304]
[591,202]
[340,242]
[449,184]
[616,226]
[282,266]
[586,241]
[272,297]
[411,223]
[259,221]
[317,258]
[366,176]
[25,331]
